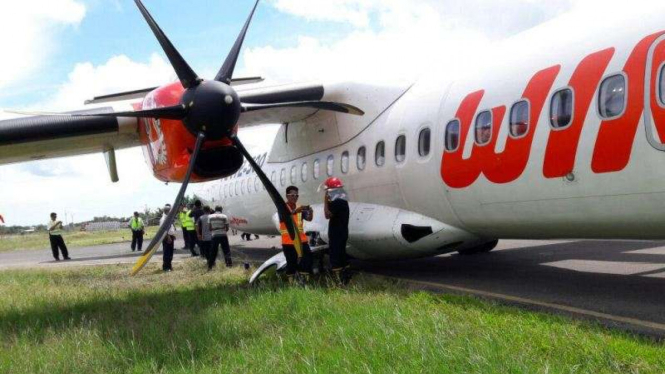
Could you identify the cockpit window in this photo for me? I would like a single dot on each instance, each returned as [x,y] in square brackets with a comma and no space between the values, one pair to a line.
[661,91]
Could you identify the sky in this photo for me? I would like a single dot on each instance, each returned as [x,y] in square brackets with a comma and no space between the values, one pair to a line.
[59,53]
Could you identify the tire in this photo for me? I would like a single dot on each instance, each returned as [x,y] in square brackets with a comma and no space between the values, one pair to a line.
[483,248]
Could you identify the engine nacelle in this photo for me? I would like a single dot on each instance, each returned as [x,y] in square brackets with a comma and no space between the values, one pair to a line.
[167,144]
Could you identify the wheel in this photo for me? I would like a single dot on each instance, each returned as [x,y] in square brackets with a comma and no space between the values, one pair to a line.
[483,248]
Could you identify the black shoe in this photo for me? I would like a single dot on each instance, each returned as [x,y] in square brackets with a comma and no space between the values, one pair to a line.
[57,259]
[195,255]
[138,250]
[67,258]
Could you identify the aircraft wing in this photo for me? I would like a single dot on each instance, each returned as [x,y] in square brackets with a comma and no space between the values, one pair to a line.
[26,138]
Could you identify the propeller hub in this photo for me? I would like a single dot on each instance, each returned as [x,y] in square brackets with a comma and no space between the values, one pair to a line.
[213,108]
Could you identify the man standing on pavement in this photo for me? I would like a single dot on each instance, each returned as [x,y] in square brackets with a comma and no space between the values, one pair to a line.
[168,241]
[219,227]
[188,230]
[54,227]
[195,214]
[296,262]
[138,229]
[336,209]
[203,232]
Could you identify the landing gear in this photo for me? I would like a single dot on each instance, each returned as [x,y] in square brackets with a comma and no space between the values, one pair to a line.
[483,248]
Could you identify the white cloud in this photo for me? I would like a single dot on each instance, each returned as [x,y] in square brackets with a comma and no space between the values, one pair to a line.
[395,39]
[118,74]
[27,34]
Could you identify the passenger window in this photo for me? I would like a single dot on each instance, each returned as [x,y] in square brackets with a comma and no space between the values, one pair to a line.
[294,174]
[612,96]
[519,119]
[237,188]
[249,186]
[400,148]
[273,178]
[345,162]
[303,172]
[452,135]
[424,142]
[662,85]
[360,158]
[316,169]
[380,154]
[257,185]
[282,177]
[483,129]
[330,165]
[242,187]
[561,108]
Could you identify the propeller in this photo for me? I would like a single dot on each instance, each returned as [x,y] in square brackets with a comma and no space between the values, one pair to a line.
[170,217]
[210,109]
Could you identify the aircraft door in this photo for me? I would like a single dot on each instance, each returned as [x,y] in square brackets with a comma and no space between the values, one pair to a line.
[654,94]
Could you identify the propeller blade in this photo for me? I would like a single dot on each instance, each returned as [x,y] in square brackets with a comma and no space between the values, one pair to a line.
[187,76]
[152,247]
[323,105]
[282,209]
[168,112]
[226,71]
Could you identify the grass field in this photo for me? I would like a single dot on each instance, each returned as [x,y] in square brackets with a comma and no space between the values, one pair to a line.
[99,320]
[72,238]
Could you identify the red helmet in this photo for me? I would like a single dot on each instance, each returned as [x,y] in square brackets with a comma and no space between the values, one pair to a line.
[333,182]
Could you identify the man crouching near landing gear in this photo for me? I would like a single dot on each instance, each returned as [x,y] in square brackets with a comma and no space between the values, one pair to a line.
[296,262]
[336,209]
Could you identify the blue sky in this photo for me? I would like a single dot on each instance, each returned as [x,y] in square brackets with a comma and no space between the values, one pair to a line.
[66,51]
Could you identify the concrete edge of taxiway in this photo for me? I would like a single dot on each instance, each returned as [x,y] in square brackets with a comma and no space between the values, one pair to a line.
[651,330]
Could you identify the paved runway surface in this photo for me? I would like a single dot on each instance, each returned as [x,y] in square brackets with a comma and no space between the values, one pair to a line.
[620,283]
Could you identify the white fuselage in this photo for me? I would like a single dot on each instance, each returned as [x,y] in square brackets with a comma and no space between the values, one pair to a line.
[540,201]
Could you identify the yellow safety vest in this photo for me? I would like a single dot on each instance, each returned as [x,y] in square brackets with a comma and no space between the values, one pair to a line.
[186,221]
[136,224]
[286,238]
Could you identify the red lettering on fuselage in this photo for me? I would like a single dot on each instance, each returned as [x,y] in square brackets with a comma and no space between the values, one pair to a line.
[562,144]
[615,138]
[508,165]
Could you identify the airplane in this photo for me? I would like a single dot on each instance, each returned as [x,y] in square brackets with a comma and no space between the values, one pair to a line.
[556,133]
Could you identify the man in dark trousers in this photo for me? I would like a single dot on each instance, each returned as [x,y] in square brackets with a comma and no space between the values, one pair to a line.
[138,229]
[219,226]
[203,232]
[168,242]
[336,209]
[54,227]
[296,262]
[195,214]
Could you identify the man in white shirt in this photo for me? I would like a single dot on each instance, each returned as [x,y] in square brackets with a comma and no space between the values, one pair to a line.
[168,241]
[54,227]
[219,227]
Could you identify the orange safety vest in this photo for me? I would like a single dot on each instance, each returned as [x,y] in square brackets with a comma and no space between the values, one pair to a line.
[286,238]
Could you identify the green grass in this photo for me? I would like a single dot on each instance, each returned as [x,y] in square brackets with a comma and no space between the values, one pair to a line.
[99,320]
[39,240]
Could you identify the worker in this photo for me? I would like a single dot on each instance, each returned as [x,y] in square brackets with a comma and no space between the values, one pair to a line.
[203,232]
[296,262]
[138,230]
[219,227]
[188,230]
[195,213]
[54,227]
[168,241]
[336,210]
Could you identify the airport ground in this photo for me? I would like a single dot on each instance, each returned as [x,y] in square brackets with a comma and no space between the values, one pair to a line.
[573,306]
